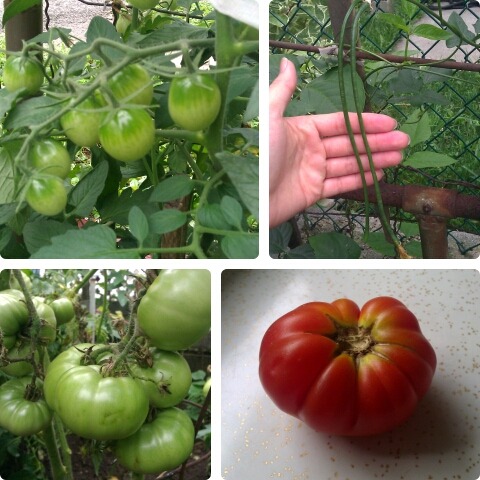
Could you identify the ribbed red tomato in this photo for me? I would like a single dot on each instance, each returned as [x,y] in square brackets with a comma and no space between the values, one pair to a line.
[344,370]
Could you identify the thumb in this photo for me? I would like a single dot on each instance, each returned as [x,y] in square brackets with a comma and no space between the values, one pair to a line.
[282,88]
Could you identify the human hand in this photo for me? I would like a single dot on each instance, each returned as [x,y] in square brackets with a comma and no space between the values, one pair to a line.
[311,156]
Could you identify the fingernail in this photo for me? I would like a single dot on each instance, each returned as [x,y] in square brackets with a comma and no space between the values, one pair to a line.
[283,64]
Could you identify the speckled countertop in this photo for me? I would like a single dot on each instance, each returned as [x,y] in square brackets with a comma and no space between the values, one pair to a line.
[441,441]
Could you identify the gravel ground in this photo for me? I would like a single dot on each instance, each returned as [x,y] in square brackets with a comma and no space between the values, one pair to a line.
[72,14]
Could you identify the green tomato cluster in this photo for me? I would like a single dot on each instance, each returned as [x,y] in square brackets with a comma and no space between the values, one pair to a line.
[15,330]
[50,162]
[126,133]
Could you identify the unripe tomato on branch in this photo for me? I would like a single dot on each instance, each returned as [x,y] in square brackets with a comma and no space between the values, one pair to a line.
[345,370]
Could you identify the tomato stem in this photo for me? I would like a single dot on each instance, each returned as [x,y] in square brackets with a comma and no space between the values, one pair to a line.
[355,341]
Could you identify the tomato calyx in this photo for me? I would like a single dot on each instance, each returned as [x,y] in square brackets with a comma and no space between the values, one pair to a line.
[354,341]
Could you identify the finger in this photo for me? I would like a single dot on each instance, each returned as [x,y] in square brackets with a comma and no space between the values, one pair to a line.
[339,185]
[333,124]
[338,167]
[282,88]
[379,142]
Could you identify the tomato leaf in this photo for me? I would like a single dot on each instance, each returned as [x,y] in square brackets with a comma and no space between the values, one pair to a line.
[98,241]
[39,233]
[100,27]
[252,109]
[7,212]
[85,193]
[31,112]
[116,207]
[138,224]
[232,211]
[240,246]
[244,173]
[7,186]
[166,220]
[172,188]
[334,245]
[378,242]
[211,216]
[431,32]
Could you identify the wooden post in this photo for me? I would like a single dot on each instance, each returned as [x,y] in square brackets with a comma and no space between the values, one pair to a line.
[23,26]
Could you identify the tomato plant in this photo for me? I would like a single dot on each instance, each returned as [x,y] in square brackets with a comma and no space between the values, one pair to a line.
[344,370]
[20,415]
[128,134]
[175,311]
[50,157]
[194,101]
[101,377]
[186,184]
[159,445]
[144,4]
[22,73]
[47,195]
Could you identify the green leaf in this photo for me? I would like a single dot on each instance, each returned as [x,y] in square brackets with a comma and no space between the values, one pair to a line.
[431,32]
[84,195]
[252,109]
[100,27]
[39,233]
[457,21]
[334,245]
[427,159]
[7,185]
[175,31]
[138,224]
[5,237]
[7,100]
[211,216]
[322,94]
[409,229]
[240,246]
[166,221]
[116,207]
[7,212]
[378,242]
[98,241]
[300,252]
[394,20]
[16,7]
[279,238]
[31,112]
[243,171]
[172,188]
[417,127]
[232,211]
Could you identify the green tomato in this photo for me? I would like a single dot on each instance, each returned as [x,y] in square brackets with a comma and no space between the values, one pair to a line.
[48,322]
[128,134]
[22,73]
[175,311]
[18,368]
[13,315]
[161,445]
[123,22]
[143,4]
[15,286]
[47,195]
[81,124]
[72,357]
[133,84]
[63,309]
[167,381]
[194,101]
[97,407]
[50,157]
[19,415]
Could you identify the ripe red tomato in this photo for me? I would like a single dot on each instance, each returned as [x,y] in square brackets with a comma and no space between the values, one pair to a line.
[346,371]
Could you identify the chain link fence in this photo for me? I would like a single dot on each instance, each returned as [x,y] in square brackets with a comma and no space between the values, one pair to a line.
[448,100]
